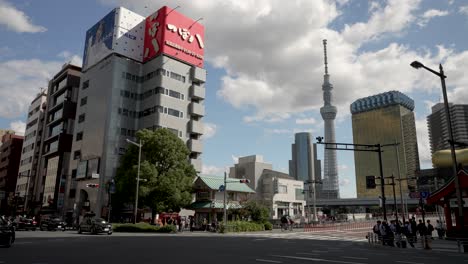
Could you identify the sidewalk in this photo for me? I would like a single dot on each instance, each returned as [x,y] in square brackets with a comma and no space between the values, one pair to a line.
[441,245]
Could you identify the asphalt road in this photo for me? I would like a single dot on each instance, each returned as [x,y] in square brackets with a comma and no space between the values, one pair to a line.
[68,247]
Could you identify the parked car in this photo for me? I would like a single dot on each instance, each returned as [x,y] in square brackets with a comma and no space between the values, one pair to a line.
[7,232]
[52,224]
[94,225]
[24,223]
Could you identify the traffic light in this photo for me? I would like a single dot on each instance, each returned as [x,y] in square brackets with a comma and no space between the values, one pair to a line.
[92,185]
[370,182]
[244,181]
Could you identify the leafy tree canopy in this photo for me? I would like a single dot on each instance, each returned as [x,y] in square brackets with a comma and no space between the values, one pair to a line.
[166,172]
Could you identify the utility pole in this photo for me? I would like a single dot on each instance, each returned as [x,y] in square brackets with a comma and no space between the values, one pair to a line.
[382,186]
[224,203]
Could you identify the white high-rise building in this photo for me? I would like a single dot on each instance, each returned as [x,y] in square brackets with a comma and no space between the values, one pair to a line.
[328,112]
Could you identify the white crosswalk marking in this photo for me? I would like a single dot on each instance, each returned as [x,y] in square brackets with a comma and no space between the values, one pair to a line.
[297,235]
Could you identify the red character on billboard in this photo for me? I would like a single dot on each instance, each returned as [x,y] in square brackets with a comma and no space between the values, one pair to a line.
[173,34]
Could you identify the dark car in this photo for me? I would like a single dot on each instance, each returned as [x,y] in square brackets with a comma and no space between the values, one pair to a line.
[52,224]
[94,225]
[24,223]
[7,232]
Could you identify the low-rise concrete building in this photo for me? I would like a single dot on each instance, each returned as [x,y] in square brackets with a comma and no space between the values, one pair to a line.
[282,194]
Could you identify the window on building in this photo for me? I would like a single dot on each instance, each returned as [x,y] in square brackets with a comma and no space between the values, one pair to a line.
[79,136]
[174,94]
[123,131]
[282,189]
[173,112]
[81,118]
[76,155]
[73,174]
[72,193]
[84,101]
[85,84]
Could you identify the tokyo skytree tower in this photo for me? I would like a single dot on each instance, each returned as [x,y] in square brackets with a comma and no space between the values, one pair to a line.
[328,112]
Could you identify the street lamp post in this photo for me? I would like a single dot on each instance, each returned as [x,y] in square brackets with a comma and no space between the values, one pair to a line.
[135,211]
[417,65]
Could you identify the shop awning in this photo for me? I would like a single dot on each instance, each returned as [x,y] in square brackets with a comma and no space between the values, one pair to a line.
[214,205]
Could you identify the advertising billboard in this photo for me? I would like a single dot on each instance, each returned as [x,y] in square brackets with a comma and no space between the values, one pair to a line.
[98,43]
[174,34]
[129,34]
[93,168]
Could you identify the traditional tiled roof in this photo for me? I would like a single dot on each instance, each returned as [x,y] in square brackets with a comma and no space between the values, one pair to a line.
[213,182]
[380,101]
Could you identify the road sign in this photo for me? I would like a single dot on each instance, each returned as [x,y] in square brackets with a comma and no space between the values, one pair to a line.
[221,188]
[424,195]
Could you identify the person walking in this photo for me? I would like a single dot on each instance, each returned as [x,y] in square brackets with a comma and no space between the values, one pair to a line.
[408,233]
[429,237]
[376,231]
[414,230]
[422,230]
[440,229]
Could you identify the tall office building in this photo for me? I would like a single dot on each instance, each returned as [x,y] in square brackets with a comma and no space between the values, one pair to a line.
[304,165]
[438,129]
[57,139]
[328,112]
[10,153]
[385,118]
[31,153]
[138,73]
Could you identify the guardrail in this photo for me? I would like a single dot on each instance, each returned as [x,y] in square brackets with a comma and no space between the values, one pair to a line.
[462,245]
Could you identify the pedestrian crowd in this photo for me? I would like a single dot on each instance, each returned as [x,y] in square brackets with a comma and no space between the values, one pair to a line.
[399,234]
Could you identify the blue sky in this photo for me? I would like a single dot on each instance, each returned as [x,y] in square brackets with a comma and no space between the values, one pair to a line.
[264,63]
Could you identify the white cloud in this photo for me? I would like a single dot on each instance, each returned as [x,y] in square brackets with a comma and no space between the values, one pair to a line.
[278,58]
[17,20]
[306,121]
[430,14]
[342,167]
[18,126]
[393,18]
[71,58]
[235,159]
[463,10]
[345,182]
[20,81]
[210,130]
[213,170]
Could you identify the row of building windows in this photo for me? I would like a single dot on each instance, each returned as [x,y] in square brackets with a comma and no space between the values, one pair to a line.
[28,148]
[151,75]
[26,161]
[150,111]
[35,110]
[30,135]
[149,93]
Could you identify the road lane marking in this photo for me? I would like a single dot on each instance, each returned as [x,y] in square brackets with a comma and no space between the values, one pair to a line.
[317,259]
[354,257]
[408,262]
[267,260]
[260,239]
[305,253]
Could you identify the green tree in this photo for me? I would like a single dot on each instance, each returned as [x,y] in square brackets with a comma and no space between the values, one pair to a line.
[166,172]
[256,211]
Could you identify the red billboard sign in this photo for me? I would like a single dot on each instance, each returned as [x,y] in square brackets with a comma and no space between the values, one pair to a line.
[174,34]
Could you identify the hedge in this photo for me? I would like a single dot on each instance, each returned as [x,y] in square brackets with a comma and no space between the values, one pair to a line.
[143,228]
[242,226]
